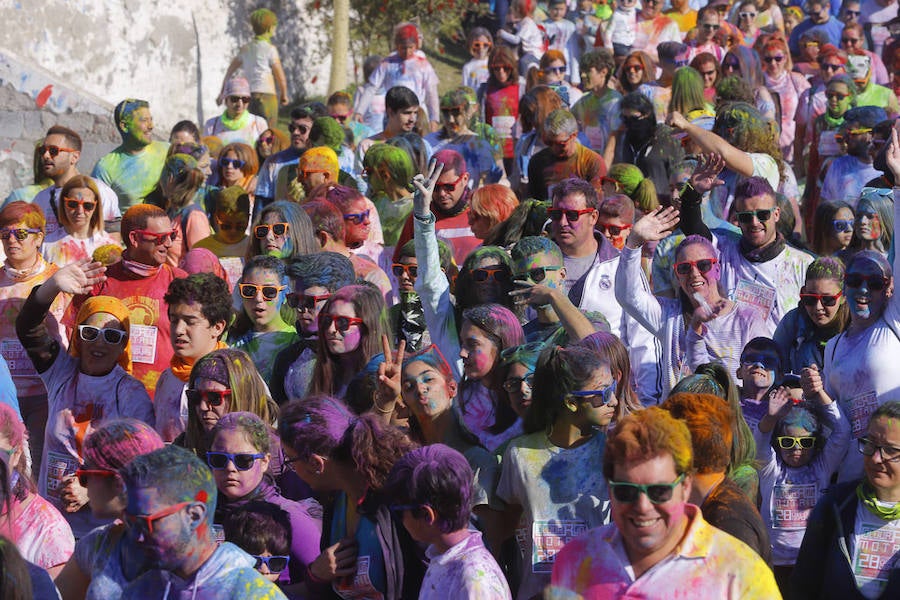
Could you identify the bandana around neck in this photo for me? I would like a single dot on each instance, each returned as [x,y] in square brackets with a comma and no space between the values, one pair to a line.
[22,274]
[140,268]
[866,495]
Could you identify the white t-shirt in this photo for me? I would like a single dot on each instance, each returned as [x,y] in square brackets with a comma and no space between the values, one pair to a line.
[562,493]
[257,59]
[873,551]
[49,197]
[465,571]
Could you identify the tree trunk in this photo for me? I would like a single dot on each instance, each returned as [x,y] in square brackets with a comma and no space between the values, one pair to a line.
[341,41]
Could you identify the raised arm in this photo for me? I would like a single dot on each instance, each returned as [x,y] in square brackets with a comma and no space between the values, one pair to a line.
[892,156]
[704,178]
[735,159]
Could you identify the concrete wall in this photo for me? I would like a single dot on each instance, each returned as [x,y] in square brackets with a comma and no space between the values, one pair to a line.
[71,61]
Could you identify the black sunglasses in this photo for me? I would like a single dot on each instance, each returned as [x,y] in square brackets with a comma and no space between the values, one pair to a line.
[538,274]
[875,283]
[304,301]
[242,461]
[746,216]
[276,564]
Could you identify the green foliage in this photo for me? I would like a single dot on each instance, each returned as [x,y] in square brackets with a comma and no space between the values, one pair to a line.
[372,23]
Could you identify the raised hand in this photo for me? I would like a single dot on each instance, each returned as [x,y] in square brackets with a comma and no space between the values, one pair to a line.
[706,174]
[79,277]
[892,156]
[653,226]
[811,381]
[389,375]
[425,189]
[535,294]
[705,313]
[780,402]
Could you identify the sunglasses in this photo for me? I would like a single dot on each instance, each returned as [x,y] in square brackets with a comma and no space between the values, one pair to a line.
[850,41]
[500,275]
[276,564]
[506,68]
[234,163]
[572,215]
[538,274]
[733,65]
[831,67]
[852,13]
[746,216]
[236,99]
[301,128]
[632,68]
[305,302]
[859,131]
[20,234]
[262,231]
[357,218]
[242,461]
[789,442]
[412,271]
[213,398]
[746,15]
[340,118]
[710,26]
[774,59]
[226,226]
[875,283]
[604,180]
[480,45]
[341,323]
[250,290]
[596,398]
[83,474]
[557,70]
[145,522]
[74,203]
[704,265]
[868,448]
[561,143]
[448,188]
[514,384]
[53,150]
[613,230]
[452,111]
[157,238]
[657,493]
[267,140]
[826,299]
[89,333]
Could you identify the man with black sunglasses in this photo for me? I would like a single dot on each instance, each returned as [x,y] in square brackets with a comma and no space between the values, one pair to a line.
[61,151]
[199,310]
[658,540]
[758,268]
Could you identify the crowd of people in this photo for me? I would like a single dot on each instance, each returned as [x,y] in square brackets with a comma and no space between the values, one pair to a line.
[613,317]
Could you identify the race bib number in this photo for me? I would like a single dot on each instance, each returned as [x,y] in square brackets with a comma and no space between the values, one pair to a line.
[877,551]
[859,409]
[791,505]
[548,538]
[759,297]
[17,359]
[59,466]
[143,344]
[359,586]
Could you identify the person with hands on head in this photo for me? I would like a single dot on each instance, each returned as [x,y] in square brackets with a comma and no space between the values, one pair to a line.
[859,372]
[810,439]
[87,386]
[701,324]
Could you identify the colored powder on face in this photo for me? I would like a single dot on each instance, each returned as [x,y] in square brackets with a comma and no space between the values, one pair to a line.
[352,338]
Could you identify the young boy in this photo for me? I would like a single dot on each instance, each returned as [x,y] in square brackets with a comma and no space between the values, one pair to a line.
[432,492]
[231,215]
[262,68]
[759,368]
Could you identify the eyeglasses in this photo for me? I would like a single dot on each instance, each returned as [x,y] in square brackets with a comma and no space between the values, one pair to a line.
[301,128]
[303,302]
[561,143]
[145,522]
[276,564]
[746,216]
[412,271]
[157,238]
[340,118]
[557,70]
[875,283]
[851,13]
[851,41]
[53,150]
[762,361]
[452,111]
[242,461]
[267,140]
[448,188]
[236,99]
[83,474]
[831,67]
[774,59]
[341,323]
[789,442]
[514,384]
[213,398]
[357,218]
[500,275]
[613,230]
[710,26]
[250,290]
[572,215]
[234,163]
[826,299]
[74,203]
[89,333]
[20,233]
[262,231]
[704,265]
[888,453]
[657,493]
[746,15]
[596,398]
[538,274]
[632,68]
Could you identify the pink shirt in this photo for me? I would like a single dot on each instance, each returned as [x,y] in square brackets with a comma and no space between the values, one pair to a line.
[40,532]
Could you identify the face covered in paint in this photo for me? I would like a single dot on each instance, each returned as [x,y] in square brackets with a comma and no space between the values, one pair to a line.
[478,351]
[337,341]
[838,98]
[868,223]
[796,456]
[262,311]
[426,391]
[859,68]
[588,415]
[541,268]
[139,127]
[172,534]
[757,369]
[233,482]
[650,532]
[867,291]
[309,302]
